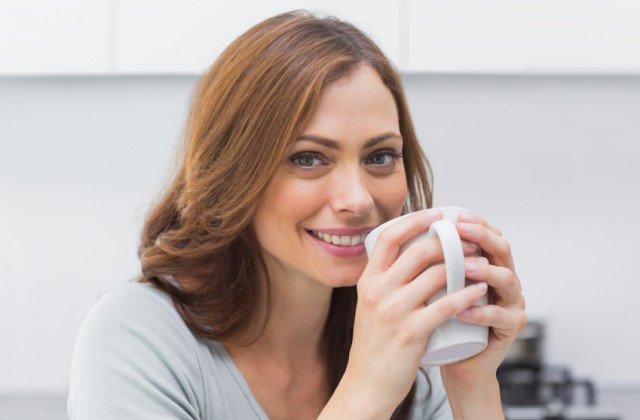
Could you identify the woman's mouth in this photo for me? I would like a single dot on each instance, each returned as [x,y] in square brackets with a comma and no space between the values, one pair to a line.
[342,240]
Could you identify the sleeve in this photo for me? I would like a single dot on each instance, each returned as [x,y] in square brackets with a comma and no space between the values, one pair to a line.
[135,359]
[436,406]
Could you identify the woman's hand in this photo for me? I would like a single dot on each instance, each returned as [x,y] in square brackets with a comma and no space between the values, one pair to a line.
[392,324]
[504,315]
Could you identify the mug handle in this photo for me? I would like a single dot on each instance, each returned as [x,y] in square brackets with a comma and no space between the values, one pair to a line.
[453,253]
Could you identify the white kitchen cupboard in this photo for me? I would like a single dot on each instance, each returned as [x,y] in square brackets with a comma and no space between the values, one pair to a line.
[85,37]
[54,37]
[173,36]
[523,36]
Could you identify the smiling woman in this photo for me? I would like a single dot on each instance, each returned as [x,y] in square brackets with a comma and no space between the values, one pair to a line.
[343,178]
[256,298]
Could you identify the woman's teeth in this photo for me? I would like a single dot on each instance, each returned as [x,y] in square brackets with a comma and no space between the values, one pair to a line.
[340,240]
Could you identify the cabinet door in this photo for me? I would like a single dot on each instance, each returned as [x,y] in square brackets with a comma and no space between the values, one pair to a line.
[508,36]
[54,37]
[172,36]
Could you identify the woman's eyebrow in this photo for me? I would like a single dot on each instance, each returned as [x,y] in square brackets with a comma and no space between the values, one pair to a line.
[382,137]
[332,144]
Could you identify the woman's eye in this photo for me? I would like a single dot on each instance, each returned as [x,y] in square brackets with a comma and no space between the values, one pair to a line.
[384,158]
[307,160]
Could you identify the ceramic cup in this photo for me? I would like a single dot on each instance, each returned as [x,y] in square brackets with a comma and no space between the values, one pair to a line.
[453,340]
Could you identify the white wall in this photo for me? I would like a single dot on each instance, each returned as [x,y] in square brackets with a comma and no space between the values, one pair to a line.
[554,161]
[80,159]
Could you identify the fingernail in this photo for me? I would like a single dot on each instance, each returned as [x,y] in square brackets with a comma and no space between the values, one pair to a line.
[465,314]
[469,266]
[433,213]
[482,260]
[466,227]
[466,217]
[482,286]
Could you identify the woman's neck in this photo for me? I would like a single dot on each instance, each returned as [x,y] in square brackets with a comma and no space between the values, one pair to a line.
[280,354]
[292,327]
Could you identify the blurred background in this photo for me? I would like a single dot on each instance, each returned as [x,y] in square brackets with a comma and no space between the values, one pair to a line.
[529,112]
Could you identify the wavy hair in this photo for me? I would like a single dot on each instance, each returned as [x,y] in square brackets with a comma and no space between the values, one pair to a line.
[198,243]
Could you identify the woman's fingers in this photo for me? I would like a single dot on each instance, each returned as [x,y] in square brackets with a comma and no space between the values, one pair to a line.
[474,218]
[493,245]
[419,255]
[387,246]
[417,264]
[476,229]
[434,314]
[506,322]
[506,317]
[414,294]
[503,280]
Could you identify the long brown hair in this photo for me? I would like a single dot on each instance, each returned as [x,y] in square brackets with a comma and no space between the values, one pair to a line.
[198,244]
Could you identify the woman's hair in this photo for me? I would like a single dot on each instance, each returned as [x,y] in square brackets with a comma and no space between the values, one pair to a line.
[198,243]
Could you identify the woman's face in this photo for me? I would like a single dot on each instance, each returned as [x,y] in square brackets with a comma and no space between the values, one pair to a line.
[342,177]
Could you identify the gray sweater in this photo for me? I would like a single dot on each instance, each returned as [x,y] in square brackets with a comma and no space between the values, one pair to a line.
[135,358]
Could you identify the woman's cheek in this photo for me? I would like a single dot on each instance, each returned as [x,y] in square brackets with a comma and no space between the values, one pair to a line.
[390,194]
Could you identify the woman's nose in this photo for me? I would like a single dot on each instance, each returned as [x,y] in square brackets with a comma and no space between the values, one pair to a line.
[351,194]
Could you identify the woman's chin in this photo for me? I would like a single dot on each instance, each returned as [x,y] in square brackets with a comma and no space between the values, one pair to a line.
[342,279]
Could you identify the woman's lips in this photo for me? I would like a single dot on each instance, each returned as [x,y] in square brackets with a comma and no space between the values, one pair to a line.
[341,242]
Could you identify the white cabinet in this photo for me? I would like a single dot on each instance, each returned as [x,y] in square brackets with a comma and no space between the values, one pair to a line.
[173,36]
[428,36]
[524,36]
[54,37]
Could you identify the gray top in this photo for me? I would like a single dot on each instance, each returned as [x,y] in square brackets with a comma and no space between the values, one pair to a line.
[136,358]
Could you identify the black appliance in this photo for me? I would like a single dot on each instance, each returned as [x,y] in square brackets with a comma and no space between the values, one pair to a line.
[533,390]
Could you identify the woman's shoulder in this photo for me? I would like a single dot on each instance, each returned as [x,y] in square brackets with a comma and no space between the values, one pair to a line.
[133,309]
[135,314]
[131,298]
[133,344]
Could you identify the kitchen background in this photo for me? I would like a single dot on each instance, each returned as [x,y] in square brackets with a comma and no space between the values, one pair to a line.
[528,110]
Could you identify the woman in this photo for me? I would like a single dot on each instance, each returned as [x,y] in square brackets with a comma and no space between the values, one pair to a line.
[257,299]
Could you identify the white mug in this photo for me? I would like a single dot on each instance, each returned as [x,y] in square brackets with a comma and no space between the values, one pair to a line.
[453,340]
